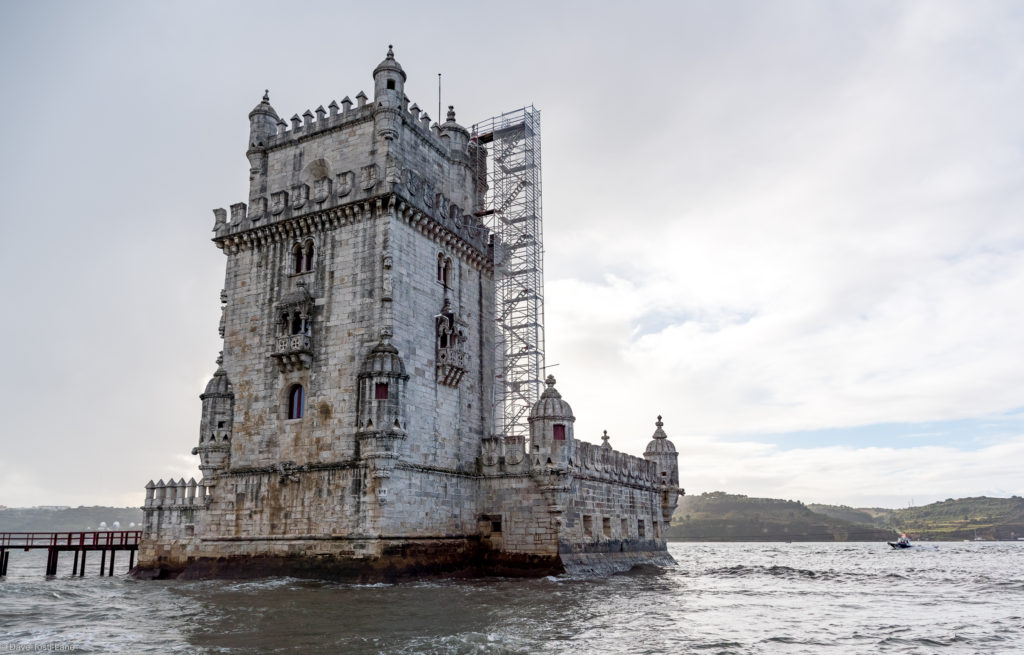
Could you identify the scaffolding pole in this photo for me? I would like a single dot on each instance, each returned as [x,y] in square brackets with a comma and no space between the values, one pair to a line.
[511,176]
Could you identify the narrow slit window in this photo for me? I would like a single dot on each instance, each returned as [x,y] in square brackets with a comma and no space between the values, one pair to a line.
[296,401]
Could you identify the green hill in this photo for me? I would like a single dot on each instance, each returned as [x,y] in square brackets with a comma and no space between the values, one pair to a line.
[964,518]
[718,516]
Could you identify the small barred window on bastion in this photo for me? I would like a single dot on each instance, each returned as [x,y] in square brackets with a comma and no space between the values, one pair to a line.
[296,401]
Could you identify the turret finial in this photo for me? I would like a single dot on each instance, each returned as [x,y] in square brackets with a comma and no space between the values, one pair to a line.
[605,437]
[658,422]
[266,95]
[451,112]
[391,52]
[550,381]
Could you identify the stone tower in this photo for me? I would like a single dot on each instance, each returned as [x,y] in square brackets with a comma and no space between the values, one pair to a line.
[347,429]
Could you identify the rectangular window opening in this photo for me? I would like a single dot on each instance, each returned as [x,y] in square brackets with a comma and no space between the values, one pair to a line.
[625,528]
[559,432]
[606,526]
[380,392]
[588,526]
[640,528]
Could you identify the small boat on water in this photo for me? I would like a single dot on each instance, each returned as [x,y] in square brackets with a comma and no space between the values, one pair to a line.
[898,544]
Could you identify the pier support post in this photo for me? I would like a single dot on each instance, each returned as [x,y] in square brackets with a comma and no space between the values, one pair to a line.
[81,570]
[131,560]
[103,561]
[74,566]
[111,572]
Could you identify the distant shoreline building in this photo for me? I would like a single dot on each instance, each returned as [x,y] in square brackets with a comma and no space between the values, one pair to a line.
[349,430]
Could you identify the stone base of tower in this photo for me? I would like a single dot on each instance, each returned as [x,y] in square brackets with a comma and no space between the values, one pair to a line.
[612,557]
[348,559]
[373,560]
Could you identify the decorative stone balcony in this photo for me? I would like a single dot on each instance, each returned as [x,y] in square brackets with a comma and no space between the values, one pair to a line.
[293,352]
[451,366]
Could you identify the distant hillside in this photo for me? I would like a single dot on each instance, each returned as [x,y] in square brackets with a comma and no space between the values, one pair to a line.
[964,518]
[718,516]
[35,519]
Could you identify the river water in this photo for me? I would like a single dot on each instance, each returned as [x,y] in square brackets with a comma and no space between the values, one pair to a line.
[720,598]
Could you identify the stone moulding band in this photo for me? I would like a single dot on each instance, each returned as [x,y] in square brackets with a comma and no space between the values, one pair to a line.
[354,212]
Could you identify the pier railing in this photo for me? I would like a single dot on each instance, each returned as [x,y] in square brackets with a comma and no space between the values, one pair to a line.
[79,543]
[70,540]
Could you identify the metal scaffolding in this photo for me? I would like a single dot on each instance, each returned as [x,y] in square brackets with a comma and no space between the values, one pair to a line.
[512,210]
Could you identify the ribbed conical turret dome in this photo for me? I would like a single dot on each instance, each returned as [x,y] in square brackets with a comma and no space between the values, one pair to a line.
[219,384]
[383,359]
[659,442]
[551,404]
[264,107]
[389,64]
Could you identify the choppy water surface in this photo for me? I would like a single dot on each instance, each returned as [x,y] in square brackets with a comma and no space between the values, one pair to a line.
[721,598]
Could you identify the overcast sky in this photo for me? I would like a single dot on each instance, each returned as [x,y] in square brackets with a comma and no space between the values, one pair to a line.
[793,228]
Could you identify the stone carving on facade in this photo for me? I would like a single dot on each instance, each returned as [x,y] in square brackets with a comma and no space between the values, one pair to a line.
[322,189]
[345,183]
[258,208]
[300,195]
[441,202]
[413,183]
[451,346]
[278,202]
[368,176]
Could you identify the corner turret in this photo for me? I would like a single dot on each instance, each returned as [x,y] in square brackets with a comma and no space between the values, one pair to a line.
[262,126]
[389,82]
[381,413]
[551,428]
[262,123]
[663,453]
[214,448]
[458,136]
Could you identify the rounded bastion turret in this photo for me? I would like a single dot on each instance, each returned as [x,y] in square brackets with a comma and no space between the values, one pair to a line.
[551,428]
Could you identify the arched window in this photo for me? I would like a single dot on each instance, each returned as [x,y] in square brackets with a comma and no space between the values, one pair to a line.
[440,268]
[296,323]
[297,259]
[446,273]
[309,256]
[296,401]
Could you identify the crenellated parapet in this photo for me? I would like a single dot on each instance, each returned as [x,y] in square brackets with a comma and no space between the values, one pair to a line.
[601,463]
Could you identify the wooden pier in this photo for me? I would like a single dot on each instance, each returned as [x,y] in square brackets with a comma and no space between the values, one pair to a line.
[80,543]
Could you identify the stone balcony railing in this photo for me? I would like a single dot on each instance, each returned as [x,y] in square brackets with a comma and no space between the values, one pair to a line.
[293,352]
[451,366]
[293,343]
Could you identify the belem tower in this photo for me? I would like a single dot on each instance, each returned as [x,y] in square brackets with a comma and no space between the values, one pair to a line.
[349,429]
